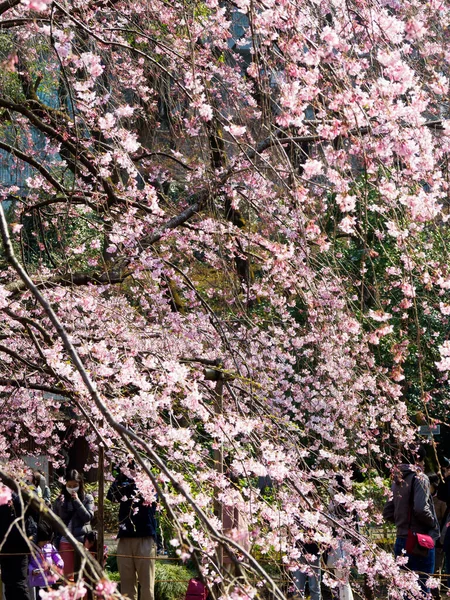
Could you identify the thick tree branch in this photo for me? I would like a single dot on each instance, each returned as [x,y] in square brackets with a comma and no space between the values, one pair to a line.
[7,4]
[25,384]
[145,155]
[20,21]
[87,161]
[34,163]
[28,321]
[21,359]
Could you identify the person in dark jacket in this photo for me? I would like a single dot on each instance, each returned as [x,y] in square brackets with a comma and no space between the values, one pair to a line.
[15,548]
[76,510]
[443,494]
[440,508]
[412,508]
[136,550]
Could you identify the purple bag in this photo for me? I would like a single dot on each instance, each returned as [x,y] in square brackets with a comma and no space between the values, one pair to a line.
[196,590]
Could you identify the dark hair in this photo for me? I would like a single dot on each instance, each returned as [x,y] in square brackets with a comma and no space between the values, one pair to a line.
[36,478]
[415,453]
[44,531]
[421,453]
[434,479]
[74,475]
[91,537]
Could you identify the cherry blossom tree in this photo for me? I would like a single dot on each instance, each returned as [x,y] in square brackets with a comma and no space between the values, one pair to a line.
[224,249]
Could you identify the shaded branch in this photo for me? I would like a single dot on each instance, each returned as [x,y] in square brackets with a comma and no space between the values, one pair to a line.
[34,163]
[9,23]
[150,154]
[20,358]
[72,147]
[28,321]
[7,4]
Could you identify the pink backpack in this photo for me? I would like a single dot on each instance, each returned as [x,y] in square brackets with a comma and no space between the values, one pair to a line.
[196,590]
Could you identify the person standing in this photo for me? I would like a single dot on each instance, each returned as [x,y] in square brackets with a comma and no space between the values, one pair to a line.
[14,537]
[440,508]
[309,571]
[412,508]
[443,494]
[76,510]
[338,556]
[35,481]
[46,494]
[136,549]
[46,565]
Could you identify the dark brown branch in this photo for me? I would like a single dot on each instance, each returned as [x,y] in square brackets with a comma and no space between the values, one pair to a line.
[20,21]
[109,277]
[34,163]
[72,147]
[20,358]
[28,321]
[150,154]
[7,4]
[25,384]
[68,198]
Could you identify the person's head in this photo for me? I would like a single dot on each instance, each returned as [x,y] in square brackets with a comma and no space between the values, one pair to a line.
[445,464]
[74,483]
[127,470]
[36,478]
[44,533]
[90,540]
[434,482]
[416,454]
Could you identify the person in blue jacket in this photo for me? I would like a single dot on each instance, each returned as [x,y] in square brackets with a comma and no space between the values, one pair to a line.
[136,549]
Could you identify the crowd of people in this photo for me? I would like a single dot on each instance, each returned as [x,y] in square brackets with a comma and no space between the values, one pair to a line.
[36,556]
[33,556]
[420,510]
